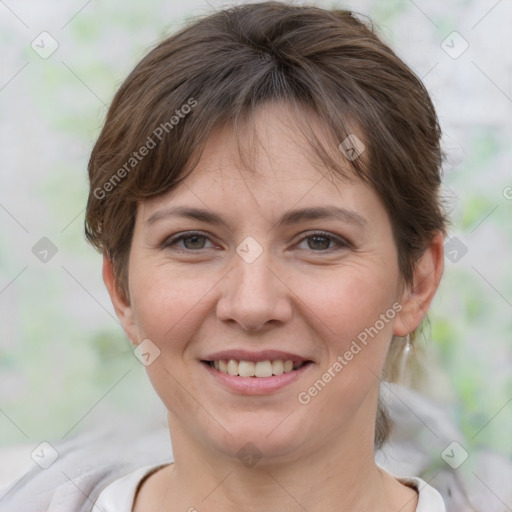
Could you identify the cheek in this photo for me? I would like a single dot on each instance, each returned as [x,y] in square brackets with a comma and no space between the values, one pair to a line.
[168,305]
[169,311]
[338,303]
[353,320]
[349,301]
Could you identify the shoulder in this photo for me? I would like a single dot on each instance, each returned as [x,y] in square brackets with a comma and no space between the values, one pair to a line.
[83,466]
[429,500]
[119,496]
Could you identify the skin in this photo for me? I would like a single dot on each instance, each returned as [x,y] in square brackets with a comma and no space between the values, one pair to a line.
[302,295]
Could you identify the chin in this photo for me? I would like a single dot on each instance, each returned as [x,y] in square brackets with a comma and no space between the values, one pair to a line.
[271,438]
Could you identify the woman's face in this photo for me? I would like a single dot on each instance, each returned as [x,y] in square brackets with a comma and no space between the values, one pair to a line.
[254,283]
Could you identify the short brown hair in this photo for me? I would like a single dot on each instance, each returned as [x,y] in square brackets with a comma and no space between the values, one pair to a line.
[221,66]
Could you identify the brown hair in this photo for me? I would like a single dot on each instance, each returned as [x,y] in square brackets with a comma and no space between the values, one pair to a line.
[217,69]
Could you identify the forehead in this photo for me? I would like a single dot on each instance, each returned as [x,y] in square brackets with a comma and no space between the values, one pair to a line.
[269,147]
[277,138]
[267,157]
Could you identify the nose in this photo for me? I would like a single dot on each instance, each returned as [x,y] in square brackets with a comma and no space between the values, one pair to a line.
[254,295]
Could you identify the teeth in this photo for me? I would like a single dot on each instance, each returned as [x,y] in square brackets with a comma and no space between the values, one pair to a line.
[277,367]
[246,368]
[263,369]
[259,369]
[232,367]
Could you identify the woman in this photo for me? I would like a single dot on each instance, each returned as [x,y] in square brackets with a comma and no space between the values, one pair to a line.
[265,193]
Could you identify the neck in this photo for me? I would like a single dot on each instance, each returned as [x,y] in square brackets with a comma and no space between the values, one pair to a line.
[337,476]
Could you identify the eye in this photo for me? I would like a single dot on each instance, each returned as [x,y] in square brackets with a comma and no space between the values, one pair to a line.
[321,241]
[194,241]
[191,240]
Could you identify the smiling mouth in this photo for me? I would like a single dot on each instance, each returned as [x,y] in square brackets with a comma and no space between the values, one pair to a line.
[259,369]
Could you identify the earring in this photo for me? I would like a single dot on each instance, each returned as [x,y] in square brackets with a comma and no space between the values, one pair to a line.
[408,345]
[406,352]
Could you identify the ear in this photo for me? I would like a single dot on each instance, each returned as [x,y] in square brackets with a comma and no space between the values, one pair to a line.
[426,277]
[122,306]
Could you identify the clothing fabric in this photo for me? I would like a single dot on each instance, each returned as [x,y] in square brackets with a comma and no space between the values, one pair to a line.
[119,495]
[86,464]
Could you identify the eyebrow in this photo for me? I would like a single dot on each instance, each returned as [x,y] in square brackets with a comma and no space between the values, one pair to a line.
[288,218]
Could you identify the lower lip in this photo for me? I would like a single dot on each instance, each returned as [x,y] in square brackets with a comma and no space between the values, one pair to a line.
[256,385]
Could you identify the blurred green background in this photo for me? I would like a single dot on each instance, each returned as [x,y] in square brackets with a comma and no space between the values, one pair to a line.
[64,360]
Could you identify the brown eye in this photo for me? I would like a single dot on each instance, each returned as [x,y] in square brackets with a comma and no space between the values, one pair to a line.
[321,242]
[192,241]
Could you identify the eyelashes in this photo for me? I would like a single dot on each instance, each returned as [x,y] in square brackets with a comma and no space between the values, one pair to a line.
[171,242]
[339,243]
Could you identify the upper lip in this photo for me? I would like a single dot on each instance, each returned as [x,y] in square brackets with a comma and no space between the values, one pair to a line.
[262,355]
